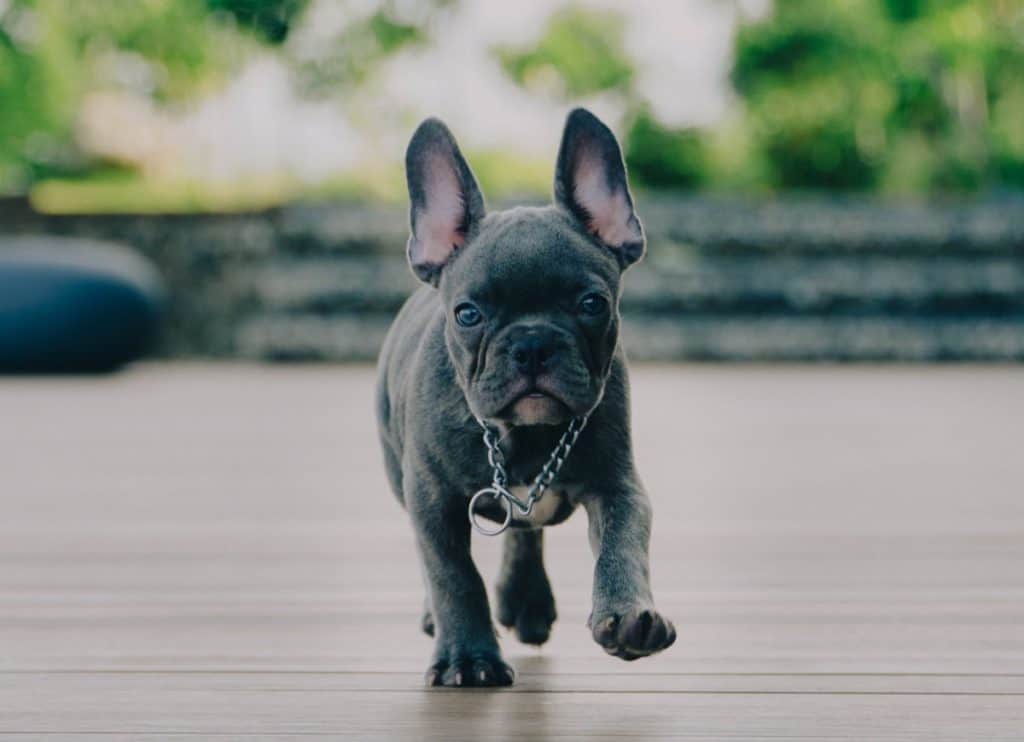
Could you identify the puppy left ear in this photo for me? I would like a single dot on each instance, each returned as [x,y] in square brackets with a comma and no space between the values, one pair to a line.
[445,203]
[590,182]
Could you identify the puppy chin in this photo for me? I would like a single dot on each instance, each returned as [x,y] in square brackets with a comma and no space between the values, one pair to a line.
[538,409]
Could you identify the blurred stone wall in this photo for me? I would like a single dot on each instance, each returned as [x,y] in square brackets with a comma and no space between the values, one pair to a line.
[789,279]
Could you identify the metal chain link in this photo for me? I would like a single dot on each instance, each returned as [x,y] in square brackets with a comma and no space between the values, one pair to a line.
[499,481]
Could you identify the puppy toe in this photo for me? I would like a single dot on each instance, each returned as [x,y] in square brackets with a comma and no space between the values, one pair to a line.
[657,635]
[434,676]
[488,673]
[533,628]
[427,623]
[605,631]
[663,637]
[635,629]
[635,634]
[470,671]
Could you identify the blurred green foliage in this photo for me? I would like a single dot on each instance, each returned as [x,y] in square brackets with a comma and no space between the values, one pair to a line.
[901,96]
[348,57]
[53,51]
[272,19]
[582,53]
[579,53]
[896,96]
[662,157]
[889,96]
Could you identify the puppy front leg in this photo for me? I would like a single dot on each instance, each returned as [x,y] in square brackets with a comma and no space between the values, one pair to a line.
[466,648]
[624,621]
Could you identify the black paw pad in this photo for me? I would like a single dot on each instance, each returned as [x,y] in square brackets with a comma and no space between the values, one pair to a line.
[633,634]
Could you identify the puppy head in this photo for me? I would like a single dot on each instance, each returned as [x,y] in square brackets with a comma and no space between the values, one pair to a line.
[531,294]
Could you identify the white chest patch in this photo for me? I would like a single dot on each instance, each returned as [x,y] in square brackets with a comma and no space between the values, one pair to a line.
[543,510]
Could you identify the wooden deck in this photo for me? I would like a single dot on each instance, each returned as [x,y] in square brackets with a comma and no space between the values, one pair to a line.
[210,552]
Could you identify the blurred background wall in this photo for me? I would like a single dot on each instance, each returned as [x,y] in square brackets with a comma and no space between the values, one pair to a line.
[820,180]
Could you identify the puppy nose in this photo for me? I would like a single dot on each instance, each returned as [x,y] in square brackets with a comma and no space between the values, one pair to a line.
[532,354]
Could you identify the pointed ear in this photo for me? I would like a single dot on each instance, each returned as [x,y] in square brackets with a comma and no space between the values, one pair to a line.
[590,182]
[445,203]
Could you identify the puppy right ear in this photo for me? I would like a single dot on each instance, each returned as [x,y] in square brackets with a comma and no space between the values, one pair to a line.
[445,203]
[590,183]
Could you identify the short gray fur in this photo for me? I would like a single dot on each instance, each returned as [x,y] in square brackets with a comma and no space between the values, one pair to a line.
[528,272]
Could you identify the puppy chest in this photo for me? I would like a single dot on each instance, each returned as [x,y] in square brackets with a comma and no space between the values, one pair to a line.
[554,507]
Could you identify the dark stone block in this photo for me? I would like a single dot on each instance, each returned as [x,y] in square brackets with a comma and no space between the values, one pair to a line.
[74,306]
[798,277]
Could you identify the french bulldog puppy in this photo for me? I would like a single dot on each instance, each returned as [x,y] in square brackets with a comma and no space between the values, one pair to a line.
[516,326]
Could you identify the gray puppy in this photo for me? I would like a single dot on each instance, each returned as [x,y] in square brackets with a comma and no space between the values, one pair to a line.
[517,329]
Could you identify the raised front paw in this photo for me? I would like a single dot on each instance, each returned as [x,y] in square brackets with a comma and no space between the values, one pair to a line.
[472,669]
[632,634]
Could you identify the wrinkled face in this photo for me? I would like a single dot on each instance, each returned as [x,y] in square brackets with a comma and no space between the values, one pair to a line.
[531,317]
[530,295]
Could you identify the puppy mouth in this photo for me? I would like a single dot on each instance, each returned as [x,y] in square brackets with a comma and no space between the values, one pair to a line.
[536,390]
[537,395]
[536,406]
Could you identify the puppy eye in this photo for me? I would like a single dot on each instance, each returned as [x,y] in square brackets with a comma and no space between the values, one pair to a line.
[593,305]
[467,315]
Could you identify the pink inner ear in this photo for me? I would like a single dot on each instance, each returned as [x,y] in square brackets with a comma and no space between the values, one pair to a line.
[611,217]
[437,227]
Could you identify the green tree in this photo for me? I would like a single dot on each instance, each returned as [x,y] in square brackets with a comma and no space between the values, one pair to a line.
[371,35]
[53,51]
[663,157]
[271,19]
[579,53]
[899,95]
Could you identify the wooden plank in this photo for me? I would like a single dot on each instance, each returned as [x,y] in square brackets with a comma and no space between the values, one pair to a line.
[421,714]
[535,675]
[210,551]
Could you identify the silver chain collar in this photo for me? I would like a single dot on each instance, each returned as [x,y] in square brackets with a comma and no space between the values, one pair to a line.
[499,483]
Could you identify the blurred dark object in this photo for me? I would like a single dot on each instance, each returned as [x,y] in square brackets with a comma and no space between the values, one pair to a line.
[74,306]
[273,19]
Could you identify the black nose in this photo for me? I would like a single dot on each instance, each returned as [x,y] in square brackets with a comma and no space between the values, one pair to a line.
[533,353]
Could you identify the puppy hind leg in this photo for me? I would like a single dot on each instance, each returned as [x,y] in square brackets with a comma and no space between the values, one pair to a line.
[525,601]
[427,618]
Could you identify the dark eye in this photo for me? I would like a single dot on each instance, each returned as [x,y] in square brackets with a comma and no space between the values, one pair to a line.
[593,305]
[467,315]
